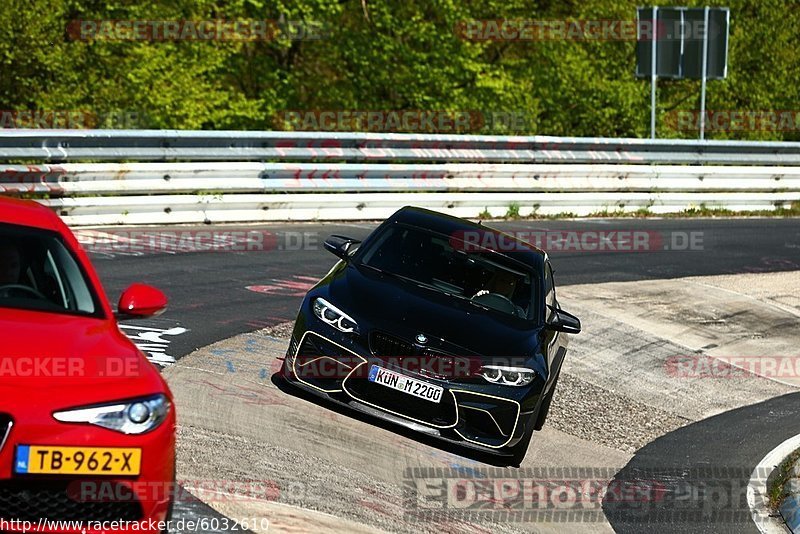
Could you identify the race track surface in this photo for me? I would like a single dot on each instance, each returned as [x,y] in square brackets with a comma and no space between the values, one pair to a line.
[208,294]
[216,295]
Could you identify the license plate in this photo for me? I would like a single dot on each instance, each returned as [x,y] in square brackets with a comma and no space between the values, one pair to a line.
[406,384]
[42,460]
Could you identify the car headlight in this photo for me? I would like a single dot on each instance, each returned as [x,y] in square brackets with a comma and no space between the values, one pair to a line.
[508,376]
[332,315]
[131,417]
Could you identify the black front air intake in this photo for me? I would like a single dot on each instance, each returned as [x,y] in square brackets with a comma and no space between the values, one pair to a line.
[32,500]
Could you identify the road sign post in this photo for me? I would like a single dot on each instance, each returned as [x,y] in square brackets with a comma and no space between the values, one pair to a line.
[704,75]
[653,74]
[675,51]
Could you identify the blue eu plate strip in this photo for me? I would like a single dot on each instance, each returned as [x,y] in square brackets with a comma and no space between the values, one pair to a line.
[23,453]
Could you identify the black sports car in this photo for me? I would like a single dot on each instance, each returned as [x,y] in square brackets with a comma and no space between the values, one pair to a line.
[439,324]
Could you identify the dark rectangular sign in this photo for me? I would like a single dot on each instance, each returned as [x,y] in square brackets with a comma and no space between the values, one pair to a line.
[679,33]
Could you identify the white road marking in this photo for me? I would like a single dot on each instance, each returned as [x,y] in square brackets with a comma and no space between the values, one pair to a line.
[150,341]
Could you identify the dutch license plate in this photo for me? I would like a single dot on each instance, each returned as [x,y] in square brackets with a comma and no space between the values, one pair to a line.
[45,460]
[406,384]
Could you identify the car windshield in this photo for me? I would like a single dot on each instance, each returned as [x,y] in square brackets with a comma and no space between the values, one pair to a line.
[448,265]
[37,272]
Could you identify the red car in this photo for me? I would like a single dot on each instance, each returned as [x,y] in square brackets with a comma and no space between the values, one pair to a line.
[87,424]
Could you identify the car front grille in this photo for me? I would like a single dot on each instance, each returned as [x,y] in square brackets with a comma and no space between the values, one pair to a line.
[292,346]
[29,500]
[384,345]
[291,352]
[422,361]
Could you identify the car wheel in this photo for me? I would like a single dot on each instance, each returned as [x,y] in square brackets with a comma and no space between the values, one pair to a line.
[544,409]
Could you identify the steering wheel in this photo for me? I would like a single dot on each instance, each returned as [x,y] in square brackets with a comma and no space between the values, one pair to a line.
[496,301]
[10,287]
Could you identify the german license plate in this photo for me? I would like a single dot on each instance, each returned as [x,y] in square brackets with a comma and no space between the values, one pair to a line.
[406,384]
[44,460]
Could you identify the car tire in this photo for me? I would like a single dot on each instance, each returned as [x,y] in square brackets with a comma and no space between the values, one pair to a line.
[544,409]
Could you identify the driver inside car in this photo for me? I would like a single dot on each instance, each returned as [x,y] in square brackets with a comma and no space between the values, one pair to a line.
[502,283]
[15,283]
[10,263]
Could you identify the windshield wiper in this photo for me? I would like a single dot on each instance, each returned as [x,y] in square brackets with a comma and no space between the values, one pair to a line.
[429,287]
[381,271]
[405,279]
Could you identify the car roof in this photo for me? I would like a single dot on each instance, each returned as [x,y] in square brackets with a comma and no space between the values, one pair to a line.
[449,225]
[27,213]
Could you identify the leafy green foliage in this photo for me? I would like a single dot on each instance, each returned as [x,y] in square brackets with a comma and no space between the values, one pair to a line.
[382,56]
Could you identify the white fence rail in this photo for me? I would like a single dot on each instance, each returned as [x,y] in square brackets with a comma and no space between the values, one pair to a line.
[170,145]
[368,176]
[179,209]
[247,177]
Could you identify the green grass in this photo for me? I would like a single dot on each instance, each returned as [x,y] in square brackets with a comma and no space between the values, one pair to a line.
[704,211]
[694,212]
[776,491]
[513,211]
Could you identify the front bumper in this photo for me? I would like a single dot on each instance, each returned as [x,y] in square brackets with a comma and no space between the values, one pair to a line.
[55,503]
[473,414]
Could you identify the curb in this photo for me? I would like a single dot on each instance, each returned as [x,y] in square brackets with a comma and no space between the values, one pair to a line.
[790,507]
[757,500]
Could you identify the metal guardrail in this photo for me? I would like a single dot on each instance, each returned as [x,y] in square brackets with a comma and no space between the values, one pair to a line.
[184,209]
[252,177]
[171,145]
[266,176]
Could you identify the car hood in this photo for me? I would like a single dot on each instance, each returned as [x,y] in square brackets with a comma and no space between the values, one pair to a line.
[405,309]
[57,359]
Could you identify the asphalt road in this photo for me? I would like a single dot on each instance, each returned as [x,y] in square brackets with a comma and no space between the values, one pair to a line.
[209,296]
[700,472]
[217,294]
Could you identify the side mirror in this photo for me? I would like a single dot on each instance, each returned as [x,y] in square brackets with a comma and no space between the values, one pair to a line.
[141,300]
[340,245]
[562,321]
